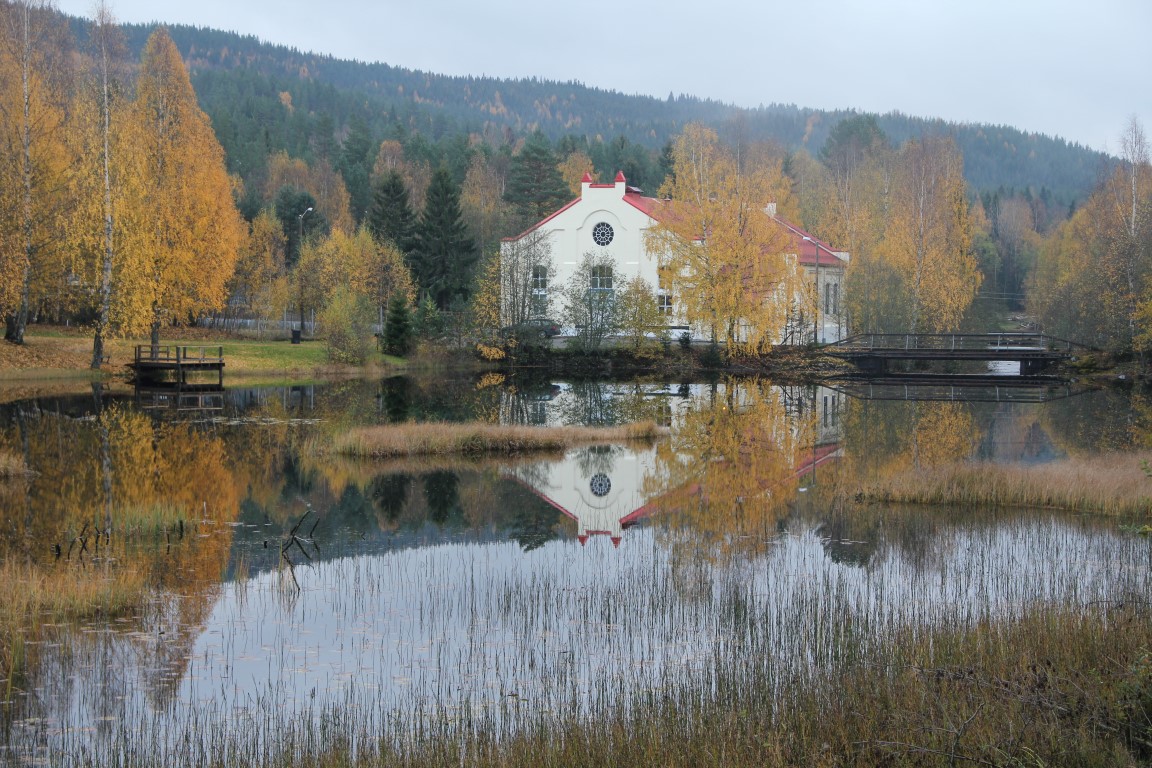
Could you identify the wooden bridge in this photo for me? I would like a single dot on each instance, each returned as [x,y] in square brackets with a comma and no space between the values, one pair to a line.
[871,352]
[156,362]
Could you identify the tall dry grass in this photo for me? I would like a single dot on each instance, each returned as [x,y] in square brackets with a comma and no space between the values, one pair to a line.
[1060,686]
[1112,484]
[11,465]
[475,438]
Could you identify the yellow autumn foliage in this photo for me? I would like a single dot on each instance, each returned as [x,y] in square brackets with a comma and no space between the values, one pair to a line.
[722,256]
[181,233]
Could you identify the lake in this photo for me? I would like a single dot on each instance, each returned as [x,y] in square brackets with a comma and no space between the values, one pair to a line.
[286,596]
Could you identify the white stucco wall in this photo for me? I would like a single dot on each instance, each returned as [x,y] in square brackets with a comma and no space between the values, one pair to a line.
[570,235]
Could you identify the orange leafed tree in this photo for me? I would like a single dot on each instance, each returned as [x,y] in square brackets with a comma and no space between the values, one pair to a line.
[723,257]
[35,88]
[182,232]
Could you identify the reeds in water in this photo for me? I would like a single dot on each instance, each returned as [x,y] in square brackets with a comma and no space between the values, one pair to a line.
[1115,484]
[472,439]
[60,592]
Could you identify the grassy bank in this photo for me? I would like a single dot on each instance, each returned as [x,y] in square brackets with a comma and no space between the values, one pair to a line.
[472,439]
[67,352]
[1113,484]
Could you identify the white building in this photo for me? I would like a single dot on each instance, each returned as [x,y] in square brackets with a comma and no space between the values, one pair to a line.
[611,220]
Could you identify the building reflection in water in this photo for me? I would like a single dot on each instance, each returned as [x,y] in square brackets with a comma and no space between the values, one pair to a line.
[606,489]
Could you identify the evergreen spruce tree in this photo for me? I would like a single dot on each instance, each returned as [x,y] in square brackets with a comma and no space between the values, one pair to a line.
[355,165]
[535,186]
[391,218]
[444,254]
[398,328]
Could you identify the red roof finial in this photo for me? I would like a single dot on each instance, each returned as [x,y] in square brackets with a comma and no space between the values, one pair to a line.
[587,178]
[620,177]
[583,539]
[616,541]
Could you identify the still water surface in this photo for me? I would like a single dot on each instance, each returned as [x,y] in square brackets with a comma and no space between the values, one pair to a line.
[462,594]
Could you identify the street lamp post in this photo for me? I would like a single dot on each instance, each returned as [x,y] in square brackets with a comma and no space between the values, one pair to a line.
[300,232]
[300,253]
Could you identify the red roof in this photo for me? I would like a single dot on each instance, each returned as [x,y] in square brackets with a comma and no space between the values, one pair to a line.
[810,250]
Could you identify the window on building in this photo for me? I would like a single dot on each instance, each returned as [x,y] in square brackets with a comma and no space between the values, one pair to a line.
[827,298]
[539,278]
[664,303]
[601,279]
[539,299]
[836,298]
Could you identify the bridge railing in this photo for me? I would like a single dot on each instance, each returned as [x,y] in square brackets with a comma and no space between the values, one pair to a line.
[953,342]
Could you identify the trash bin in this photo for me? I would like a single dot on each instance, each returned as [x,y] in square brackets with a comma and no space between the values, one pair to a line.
[295,335]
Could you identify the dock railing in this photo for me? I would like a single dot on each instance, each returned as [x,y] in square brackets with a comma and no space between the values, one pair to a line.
[177,355]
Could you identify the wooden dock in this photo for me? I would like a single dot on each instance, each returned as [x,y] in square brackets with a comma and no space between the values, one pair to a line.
[159,362]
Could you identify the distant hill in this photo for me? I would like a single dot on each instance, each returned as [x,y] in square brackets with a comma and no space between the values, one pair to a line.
[265,97]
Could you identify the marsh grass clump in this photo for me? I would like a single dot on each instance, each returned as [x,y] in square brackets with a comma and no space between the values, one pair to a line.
[155,517]
[476,439]
[1114,484]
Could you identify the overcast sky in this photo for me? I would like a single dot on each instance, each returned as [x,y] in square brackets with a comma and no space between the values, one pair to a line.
[1071,69]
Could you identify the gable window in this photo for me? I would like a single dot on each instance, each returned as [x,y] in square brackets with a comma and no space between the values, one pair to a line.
[602,233]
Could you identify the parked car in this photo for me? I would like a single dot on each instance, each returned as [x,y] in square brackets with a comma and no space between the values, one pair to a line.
[536,328]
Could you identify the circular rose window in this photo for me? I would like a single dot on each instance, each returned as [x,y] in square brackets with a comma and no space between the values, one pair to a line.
[600,484]
[602,233]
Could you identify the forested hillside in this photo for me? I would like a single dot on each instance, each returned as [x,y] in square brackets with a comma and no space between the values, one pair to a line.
[264,97]
[159,178]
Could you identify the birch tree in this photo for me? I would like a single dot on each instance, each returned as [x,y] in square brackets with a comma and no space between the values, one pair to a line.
[183,234]
[927,240]
[527,270]
[35,163]
[857,160]
[97,183]
[723,257]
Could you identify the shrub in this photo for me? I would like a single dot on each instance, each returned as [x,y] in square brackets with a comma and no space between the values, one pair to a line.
[347,321]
